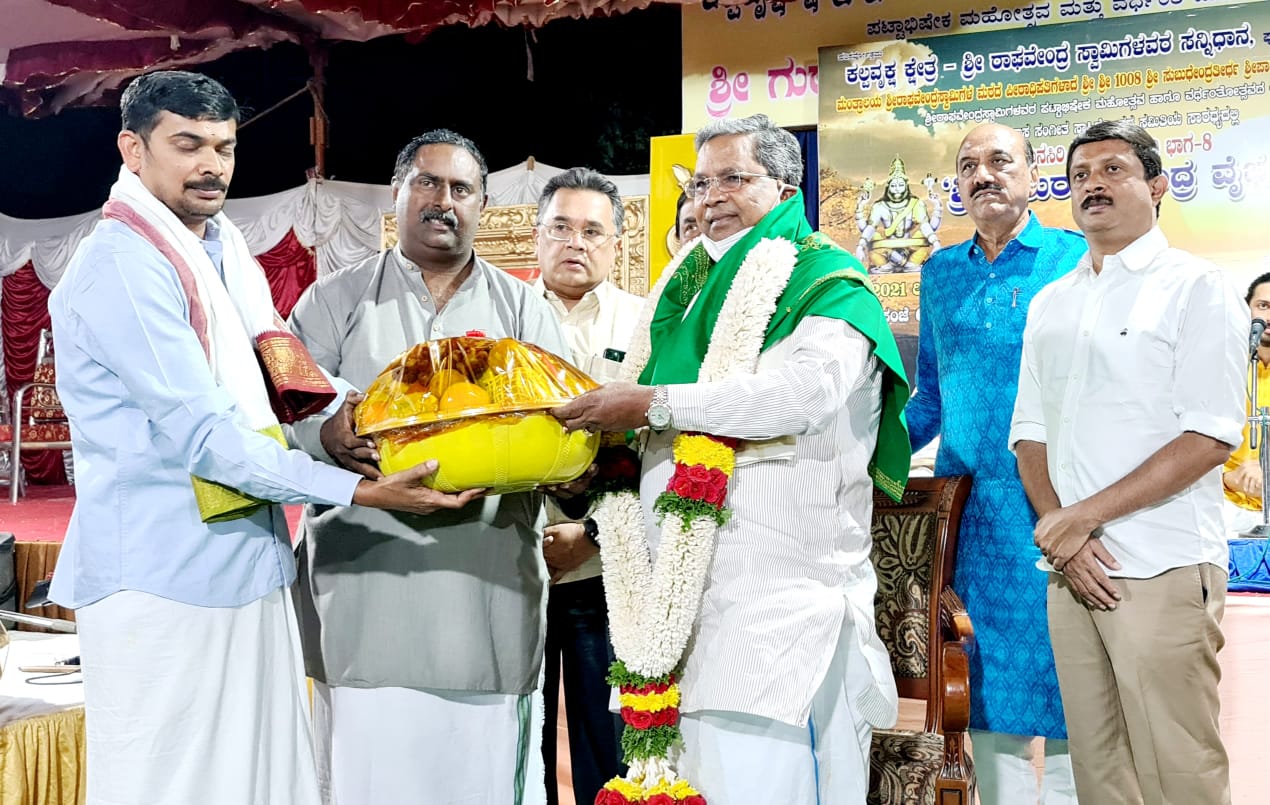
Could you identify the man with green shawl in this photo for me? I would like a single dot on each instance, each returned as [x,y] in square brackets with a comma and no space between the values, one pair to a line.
[784,676]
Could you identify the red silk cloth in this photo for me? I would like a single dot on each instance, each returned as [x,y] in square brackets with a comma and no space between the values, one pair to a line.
[24,312]
[290,268]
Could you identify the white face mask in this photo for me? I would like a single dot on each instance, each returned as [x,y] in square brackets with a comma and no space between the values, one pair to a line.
[717,248]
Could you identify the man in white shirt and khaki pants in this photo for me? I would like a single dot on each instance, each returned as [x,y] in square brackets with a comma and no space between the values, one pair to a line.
[1131,397]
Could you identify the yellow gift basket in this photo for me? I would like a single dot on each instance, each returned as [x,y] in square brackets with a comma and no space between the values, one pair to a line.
[479,406]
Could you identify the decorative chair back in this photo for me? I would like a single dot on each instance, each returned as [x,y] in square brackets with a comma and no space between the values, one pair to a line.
[927,633]
[38,421]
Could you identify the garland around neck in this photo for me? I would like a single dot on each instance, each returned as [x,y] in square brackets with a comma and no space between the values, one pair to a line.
[652,608]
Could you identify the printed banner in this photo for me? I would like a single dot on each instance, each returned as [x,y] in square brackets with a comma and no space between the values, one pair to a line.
[893,115]
[760,56]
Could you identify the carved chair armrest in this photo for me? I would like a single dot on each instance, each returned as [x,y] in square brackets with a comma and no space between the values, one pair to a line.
[958,637]
[954,619]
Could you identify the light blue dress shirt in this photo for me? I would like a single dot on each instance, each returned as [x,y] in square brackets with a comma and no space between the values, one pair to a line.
[145,413]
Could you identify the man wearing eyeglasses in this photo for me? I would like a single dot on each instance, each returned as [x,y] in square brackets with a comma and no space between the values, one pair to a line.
[784,676]
[578,239]
[423,633]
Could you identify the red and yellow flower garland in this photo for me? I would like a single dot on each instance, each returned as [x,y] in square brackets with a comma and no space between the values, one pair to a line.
[654,605]
[650,705]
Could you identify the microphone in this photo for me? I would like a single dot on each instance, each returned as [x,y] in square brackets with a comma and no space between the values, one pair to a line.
[1254,337]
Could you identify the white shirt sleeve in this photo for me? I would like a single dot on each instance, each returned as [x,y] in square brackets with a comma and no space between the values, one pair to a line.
[1028,422]
[1211,360]
[829,358]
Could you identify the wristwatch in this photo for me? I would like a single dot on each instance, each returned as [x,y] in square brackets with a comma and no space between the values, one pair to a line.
[592,531]
[658,414]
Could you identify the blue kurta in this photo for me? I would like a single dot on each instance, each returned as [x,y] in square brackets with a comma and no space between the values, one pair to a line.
[972,317]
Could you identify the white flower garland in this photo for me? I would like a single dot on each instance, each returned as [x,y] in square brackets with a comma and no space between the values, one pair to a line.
[652,608]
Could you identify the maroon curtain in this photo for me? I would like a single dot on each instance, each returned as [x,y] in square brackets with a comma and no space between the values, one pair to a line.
[290,267]
[24,311]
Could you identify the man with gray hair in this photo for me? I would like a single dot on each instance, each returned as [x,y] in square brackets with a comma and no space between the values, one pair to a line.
[423,633]
[579,239]
[767,346]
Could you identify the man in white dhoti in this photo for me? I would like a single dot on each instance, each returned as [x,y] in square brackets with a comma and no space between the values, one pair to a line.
[762,338]
[176,564]
[425,634]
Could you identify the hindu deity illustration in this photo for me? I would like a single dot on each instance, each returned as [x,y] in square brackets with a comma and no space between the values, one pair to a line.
[897,232]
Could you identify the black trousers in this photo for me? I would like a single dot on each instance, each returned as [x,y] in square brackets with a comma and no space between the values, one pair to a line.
[578,645]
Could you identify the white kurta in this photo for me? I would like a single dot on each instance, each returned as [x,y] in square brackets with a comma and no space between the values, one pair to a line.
[792,562]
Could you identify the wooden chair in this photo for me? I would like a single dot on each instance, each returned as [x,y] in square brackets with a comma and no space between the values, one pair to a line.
[928,634]
[38,421]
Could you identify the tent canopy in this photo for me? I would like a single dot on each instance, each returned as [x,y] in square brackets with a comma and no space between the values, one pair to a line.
[56,53]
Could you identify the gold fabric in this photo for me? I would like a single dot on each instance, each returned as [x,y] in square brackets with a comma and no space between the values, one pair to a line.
[34,561]
[42,760]
[218,503]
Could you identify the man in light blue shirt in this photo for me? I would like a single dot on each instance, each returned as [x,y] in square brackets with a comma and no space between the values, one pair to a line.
[192,678]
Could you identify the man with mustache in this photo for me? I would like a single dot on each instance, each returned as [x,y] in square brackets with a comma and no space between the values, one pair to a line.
[578,238]
[424,635]
[783,676]
[1131,397]
[192,677]
[975,299]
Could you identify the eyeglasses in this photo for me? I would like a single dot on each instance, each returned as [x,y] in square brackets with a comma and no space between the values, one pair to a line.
[699,186]
[559,230]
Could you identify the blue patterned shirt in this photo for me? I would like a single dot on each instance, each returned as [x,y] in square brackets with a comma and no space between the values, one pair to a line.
[972,317]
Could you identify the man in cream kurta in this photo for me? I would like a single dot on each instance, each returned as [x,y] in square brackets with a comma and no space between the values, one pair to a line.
[425,634]
[578,239]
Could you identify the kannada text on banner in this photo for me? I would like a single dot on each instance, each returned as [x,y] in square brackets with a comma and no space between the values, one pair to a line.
[893,114]
[760,56]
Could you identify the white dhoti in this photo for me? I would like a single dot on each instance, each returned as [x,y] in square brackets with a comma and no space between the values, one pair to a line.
[188,704]
[740,759]
[399,745]
[1005,770]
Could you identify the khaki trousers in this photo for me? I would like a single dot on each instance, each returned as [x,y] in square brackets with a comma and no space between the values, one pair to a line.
[1139,687]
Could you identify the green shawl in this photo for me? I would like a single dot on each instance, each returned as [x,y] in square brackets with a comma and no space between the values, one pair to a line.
[826,281]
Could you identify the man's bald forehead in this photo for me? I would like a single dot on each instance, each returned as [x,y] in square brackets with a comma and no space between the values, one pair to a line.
[1008,138]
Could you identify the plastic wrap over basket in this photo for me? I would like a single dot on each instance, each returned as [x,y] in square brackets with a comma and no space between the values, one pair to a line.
[480,407]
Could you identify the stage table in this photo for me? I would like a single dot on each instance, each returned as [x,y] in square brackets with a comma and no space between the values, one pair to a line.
[41,725]
[1245,664]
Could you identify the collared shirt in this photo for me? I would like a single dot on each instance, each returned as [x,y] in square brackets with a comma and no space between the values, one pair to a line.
[1118,364]
[145,413]
[603,318]
[973,312]
[972,317]
[1244,452]
[451,600]
[792,561]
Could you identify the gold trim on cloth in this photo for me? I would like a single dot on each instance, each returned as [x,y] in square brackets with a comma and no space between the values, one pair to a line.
[42,759]
[218,503]
[297,388]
